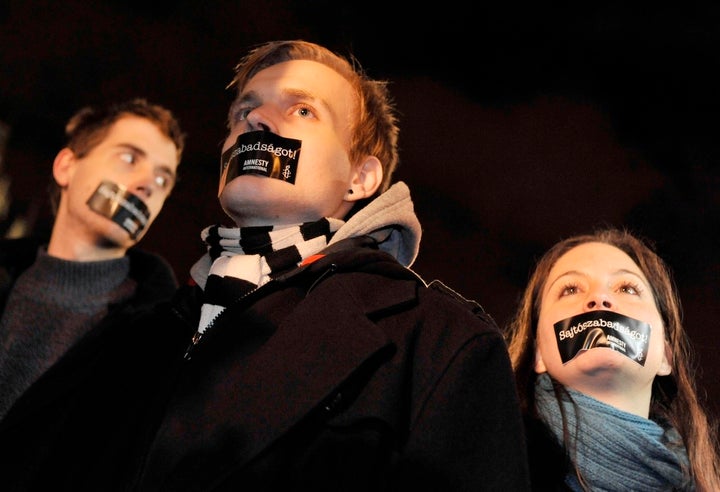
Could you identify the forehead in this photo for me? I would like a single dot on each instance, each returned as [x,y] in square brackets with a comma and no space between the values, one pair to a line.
[594,256]
[314,77]
[131,128]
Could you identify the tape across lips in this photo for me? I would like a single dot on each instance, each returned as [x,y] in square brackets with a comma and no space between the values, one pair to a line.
[603,329]
[263,153]
[122,207]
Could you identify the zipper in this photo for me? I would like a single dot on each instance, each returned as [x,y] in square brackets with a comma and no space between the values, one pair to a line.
[329,271]
[198,335]
[274,282]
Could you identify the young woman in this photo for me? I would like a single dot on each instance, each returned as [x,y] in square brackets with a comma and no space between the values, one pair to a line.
[605,375]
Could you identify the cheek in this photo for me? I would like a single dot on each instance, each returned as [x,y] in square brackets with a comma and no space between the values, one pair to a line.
[545,340]
[231,139]
[82,177]
[154,205]
[657,339]
[82,189]
[545,327]
[327,155]
[651,317]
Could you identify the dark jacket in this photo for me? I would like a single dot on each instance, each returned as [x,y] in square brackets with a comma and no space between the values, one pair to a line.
[74,427]
[352,375]
[549,463]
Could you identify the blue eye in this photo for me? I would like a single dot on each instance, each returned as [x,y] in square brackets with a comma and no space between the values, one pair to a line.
[241,113]
[305,112]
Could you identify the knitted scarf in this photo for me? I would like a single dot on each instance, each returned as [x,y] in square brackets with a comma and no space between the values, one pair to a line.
[240,260]
[614,450]
[244,259]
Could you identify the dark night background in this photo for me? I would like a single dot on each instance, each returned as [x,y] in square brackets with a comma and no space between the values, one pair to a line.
[519,125]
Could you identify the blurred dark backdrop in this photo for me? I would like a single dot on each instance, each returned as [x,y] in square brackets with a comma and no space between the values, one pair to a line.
[520,124]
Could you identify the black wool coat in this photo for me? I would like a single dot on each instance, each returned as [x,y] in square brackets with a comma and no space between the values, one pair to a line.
[351,375]
[75,427]
[548,461]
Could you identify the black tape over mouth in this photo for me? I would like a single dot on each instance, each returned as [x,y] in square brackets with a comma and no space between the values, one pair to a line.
[114,202]
[262,153]
[595,338]
[603,329]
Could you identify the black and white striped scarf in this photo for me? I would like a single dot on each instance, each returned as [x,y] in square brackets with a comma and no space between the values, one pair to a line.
[244,259]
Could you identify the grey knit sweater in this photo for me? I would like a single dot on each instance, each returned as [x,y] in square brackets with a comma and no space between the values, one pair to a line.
[51,306]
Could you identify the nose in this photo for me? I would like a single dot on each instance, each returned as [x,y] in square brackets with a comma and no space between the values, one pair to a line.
[145,182]
[599,302]
[259,119]
[143,190]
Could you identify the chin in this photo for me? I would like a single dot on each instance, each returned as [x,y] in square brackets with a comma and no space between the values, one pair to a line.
[119,237]
[250,186]
[602,360]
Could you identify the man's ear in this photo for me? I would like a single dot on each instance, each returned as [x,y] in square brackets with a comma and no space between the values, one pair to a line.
[666,364]
[64,166]
[367,179]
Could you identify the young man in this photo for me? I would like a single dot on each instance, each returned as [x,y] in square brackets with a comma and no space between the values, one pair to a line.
[320,360]
[63,302]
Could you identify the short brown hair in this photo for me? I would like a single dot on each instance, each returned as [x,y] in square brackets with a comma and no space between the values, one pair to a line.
[90,125]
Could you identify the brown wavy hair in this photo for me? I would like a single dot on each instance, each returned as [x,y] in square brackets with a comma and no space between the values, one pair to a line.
[674,397]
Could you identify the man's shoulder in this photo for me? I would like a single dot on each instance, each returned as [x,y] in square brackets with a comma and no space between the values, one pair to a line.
[20,245]
[18,252]
[459,302]
[140,255]
[373,271]
[152,269]
[16,256]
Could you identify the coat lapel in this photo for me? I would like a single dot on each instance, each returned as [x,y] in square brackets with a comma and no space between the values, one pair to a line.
[297,371]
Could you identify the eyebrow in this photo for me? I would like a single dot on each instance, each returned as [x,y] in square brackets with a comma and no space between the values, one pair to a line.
[621,271]
[133,147]
[564,274]
[245,98]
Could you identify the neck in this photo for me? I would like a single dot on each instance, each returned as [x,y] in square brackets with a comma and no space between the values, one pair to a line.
[632,400]
[79,248]
[88,239]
